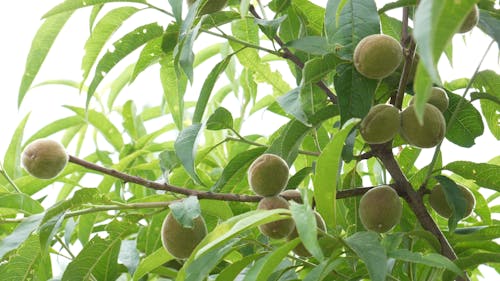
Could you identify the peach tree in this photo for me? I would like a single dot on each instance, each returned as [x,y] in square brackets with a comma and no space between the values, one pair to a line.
[169,189]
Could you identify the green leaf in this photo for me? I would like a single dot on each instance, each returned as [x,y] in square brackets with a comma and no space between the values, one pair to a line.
[151,262]
[264,267]
[186,210]
[20,202]
[150,54]
[490,24]
[287,144]
[305,223]
[317,68]
[314,45]
[56,126]
[397,4]
[121,48]
[40,46]
[431,259]
[185,56]
[102,124]
[455,199]
[132,123]
[20,234]
[311,15]
[292,104]
[368,248]
[490,82]
[98,258]
[327,175]
[349,21]
[206,89]
[480,233]
[201,267]
[468,124]
[185,147]
[12,159]
[248,31]
[232,271]
[485,175]
[270,27]
[174,86]
[148,240]
[25,263]
[298,177]
[216,208]
[235,171]
[71,5]
[226,230]
[101,33]
[355,92]
[220,119]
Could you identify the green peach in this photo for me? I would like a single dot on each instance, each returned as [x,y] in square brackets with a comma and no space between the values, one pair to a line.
[277,229]
[380,209]
[381,124]
[438,202]
[427,135]
[377,56]
[268,175]
[44,158]
[180,241]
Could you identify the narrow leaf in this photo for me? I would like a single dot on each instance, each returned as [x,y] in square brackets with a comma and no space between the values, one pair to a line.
[206,89]
[327,175]
[40,46]
[151,262]
[484,174]
[120,49]
[185,147]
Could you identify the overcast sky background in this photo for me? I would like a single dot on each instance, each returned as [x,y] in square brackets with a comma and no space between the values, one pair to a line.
[20,20]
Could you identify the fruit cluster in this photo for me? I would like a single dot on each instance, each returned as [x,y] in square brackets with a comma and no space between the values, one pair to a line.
[268,176]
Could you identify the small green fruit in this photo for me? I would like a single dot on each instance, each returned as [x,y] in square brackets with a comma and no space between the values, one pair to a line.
[210,6]
[380,209]
[381,124]
[300,249]
[470,21]
[180,241]
[438,202]
[276,229]
[438,98]
[268,175]
[427,135]
[44,158]
[377,56]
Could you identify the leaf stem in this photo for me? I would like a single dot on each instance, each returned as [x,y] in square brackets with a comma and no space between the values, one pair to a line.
[244,43]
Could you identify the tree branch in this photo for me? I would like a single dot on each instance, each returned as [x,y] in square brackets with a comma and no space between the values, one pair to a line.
[287,54]
[413,198]
[189,192]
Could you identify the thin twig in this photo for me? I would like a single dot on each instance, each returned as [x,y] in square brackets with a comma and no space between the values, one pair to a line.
[287,54]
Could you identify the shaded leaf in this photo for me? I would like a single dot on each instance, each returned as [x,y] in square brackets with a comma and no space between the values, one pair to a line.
[174,87]
[24,263]
[20,202]
[151,262]
[220,119]
[368,248]
[431,259]
[20,234]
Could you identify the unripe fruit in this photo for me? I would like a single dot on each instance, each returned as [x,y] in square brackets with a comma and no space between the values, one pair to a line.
[377,56]
[268,175]
[380,209]
[276,229]
[470,21]
[438,202]
[438,98]
[427,135]
[180,241]
[381,124]
[210,6]
[44,158]
[300,249]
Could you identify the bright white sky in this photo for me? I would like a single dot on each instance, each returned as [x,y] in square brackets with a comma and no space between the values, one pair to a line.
[20,20]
